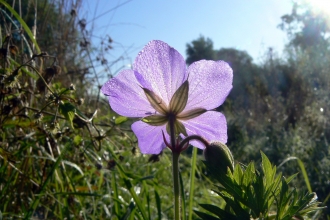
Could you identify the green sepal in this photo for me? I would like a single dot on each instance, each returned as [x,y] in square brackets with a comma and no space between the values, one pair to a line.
[156,102]
[191,113]
[178,128]
[155,120]
[180,98]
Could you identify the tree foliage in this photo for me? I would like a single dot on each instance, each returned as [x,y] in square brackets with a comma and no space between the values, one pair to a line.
[202,48]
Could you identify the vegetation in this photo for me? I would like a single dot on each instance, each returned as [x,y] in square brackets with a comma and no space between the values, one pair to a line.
[65,154]
[281,105]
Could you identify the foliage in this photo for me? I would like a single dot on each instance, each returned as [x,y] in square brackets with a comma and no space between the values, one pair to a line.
[200,49]
[258,195]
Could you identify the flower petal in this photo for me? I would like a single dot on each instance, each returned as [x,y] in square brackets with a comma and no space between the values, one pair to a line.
[211,125]
[209,84]
[161,69]
[150,138]
[126,97]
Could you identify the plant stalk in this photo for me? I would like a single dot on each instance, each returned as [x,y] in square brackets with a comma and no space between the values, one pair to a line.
[176,184]
[175,169]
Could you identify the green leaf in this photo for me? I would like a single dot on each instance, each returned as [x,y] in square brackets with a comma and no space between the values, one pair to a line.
[217,211]
[158,205]
[192,183]
[236,206]
[68,110]
[120,119]
[180,98]
[238,174]
[249,174]
[205,216]
[136,199]
[267,170]
[303,170]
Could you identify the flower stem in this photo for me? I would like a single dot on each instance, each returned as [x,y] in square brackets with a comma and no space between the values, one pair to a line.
[176,186]
[175,169]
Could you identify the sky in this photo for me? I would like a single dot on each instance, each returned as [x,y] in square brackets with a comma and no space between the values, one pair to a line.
[249,25]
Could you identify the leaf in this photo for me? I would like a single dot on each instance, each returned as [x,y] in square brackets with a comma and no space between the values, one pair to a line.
[303,170]
[68,111]
[205,216]
[128,212]
[267,170]
[238,174]
[158,204]
[217,211]
[120,119]
[249,174]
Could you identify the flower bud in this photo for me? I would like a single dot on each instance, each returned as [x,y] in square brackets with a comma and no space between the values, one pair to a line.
[219,157]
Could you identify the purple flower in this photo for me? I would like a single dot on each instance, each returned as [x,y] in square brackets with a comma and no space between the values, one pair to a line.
[160,87]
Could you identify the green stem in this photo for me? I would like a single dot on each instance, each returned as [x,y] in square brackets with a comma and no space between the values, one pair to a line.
[192,183]
[175,169]
[176,185]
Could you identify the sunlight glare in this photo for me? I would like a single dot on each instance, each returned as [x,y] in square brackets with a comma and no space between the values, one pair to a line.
[320,5]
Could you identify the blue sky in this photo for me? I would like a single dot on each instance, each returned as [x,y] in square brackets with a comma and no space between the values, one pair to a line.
[249,25]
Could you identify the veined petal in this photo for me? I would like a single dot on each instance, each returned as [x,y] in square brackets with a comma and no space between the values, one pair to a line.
[155,120]
[126,97]
[179,99]
[150,138]
[209,84]
[211,125]
[161,69]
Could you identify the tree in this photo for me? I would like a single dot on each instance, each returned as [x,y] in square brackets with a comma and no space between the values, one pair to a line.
[199,49]
[305,27]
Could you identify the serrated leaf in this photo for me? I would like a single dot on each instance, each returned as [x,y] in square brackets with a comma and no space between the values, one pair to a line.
[249,174]
[68,110]
[238,174]
[267,169]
